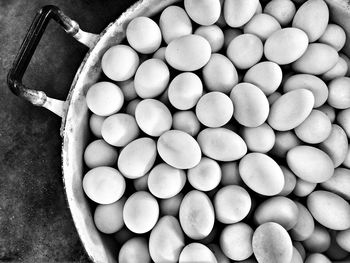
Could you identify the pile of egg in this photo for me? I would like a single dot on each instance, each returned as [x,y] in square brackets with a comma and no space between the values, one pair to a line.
[221,135]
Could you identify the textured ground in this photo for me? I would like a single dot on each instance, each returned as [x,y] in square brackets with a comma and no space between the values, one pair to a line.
[35,222]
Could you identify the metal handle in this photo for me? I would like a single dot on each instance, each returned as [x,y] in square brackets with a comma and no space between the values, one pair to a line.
[26,51]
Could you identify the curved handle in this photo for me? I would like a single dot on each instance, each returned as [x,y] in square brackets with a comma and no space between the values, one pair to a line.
[26,51]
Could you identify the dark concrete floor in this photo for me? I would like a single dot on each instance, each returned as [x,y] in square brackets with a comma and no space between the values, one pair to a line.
[35,222]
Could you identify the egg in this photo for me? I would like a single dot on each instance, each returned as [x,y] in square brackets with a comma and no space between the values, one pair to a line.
[100,153]
[219,255]
[262,25]
[95,124]
[196,252]
[109,218]
[284,141]
[137,158]
[160,54]
[273,97]
[290,181]
[291,109]
[317,258]
[292,40]
[151,78]
[334,36]
[245,50]
[279,209]
[347,62]
[272,244]
[336,145]
[131,107]
[230,174]
[317,59]
[261,174]
[188,53]
[329,111]
[196,215]
[303,188]
[259,139]
[296,257]
[239,12]
[104,98]
[204,12]
[179,149]
[250,104]
[104,185]
[185,90]
[329,209]
[265,75]
[232,204]
[213,34]
[165,181]
[230,34]
[339,70]
[171,206]
[339,93]
[134,250]
[186,121]
[174,23]
[144,35]
[166,240]
[312,17]
[153,117]
[205,176]
[128,89]
[217,143]
[346,162]
[282,10]
[319,241]
[140,212]
[120,62]
[343,119]
[234,234]
[310,82]
[339,183]
[300,249]
[219,74]
[305,225]
[141,183]
[214,109]
[343,239]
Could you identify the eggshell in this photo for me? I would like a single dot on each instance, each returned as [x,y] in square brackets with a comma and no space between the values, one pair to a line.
[179,149]
[282,10]
[343,239]
[315,129]
[186,121]
[151,78]
[171,206]
[289,181]
[205,176]
[120,129]
[120,62]
[346,58]
[259,139]
[265,75]
[205,12]
[214,109]
[134,250]
[329,111]
[239,12]
[339,70]
[291,109]
[300,248]
[196,252]
[250,104]
[305,225]
[343,119]
[279,209]
[286,45]
[153,117]
[312,17]
[336,145]
[188,53]
[310,82]
[339,183]
[104,185]
[219,74]
[144,35]
[329,209]
[261,174]
[303,188]
[245,50]
[272,244]
[232,204]
[140,212]
[196,215]
[95,124]
[213,34]
[317,59]
[319,241]
[317,258]
[128,89]
[234,234]
[262,25]
[109,218]
[230,174]
[100,153]
[339,93]
[131,107]
[166,240]
[104,98]
[137,158]
[217,143]
[296,257]
[346,162]
[334,36]
[284,142]
[174,23]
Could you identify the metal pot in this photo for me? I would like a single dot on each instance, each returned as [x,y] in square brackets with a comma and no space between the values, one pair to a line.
[74,112]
